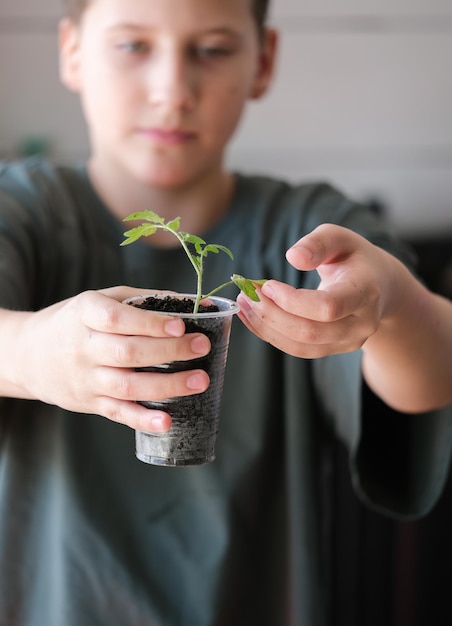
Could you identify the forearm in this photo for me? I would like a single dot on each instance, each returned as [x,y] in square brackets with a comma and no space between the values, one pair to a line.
[12,355]
[408,361]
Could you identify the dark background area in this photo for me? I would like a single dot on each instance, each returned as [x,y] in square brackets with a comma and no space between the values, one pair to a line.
[391,573]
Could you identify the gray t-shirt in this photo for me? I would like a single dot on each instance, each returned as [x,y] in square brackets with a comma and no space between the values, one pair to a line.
[91,536]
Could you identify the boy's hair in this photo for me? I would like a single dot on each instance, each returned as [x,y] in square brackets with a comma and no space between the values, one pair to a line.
[75,8]
[260,10]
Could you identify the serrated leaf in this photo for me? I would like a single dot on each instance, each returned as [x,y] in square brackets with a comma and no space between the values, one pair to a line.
[132,235]
[147,216]
[174,224]
[216,248]
[248,286]
[226,250]
[211,248]
[194,239]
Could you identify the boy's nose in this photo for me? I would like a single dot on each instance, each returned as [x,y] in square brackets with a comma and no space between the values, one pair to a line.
[171,82]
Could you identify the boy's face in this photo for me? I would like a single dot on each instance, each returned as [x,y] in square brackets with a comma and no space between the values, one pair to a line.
[163,83]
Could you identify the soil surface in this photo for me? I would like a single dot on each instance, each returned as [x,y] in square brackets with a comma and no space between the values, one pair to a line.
[174,305]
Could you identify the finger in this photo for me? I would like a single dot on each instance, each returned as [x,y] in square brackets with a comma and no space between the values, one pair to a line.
[298,349]
[102,313]
[333,302]
[134,415]
[126,384]
[326,244]
[285,330]
[123,351]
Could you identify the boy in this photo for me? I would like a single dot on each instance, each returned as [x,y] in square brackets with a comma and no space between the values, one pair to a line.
[91,536]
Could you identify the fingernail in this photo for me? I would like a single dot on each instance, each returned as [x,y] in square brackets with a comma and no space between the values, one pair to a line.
[268,290]
[196,382]
[160,423]
[200,345]
[304,250]
[244,303]
[175,328]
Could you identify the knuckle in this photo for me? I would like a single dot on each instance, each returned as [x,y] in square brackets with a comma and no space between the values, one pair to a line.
[109,315]
[106,407]
[83,300]
[330,309]
[97,311]
[123,386]
[118,412]
[114,414]
[124,353]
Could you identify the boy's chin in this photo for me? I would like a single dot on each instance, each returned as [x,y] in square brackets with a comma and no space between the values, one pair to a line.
[164,182]
[170,179]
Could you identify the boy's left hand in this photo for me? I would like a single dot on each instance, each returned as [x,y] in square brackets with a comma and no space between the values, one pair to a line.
[366,298]
[341,314]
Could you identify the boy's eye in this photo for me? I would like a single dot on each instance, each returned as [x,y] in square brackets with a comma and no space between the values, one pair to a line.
[134,47]
[211,52]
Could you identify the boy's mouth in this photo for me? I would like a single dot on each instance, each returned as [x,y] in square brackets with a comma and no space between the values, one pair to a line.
[171,136]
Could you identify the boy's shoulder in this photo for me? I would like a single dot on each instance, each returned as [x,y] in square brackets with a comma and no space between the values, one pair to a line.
[41,187]
[34,173]
[280,206]
[315,201]
[273,188]
[317,195]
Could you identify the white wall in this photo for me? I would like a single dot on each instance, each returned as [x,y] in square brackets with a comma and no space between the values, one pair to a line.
[363,98]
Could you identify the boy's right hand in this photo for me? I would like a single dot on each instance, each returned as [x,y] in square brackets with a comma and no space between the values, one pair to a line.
[80,354]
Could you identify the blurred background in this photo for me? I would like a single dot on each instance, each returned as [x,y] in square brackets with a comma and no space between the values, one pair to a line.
[363,99]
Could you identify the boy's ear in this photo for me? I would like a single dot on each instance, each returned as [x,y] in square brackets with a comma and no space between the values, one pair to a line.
[68,36]
[266,63]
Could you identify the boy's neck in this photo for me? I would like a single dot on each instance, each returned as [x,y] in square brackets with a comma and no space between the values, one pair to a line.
[199,205]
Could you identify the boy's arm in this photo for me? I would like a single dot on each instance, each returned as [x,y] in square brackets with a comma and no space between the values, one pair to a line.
[80,354]
[407,362]
[366,299]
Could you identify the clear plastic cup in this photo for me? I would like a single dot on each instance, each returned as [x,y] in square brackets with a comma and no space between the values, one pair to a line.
[195,419]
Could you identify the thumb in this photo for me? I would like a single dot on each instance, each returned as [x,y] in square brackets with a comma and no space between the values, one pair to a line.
[328,243]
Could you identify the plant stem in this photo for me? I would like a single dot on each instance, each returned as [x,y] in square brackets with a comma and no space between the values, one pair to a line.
[198,269]
[214,291]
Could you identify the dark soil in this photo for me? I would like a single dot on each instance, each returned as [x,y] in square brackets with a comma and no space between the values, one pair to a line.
[174,305]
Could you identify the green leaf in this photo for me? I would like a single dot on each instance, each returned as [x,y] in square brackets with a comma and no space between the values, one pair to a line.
[216,248]
[194,239]
[211,248]
[134,234]
[147,216]
[200,249]
[226,250]
[174,224]
[248,286]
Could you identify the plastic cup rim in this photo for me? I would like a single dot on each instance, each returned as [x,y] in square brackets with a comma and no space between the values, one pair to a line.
[233,309]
